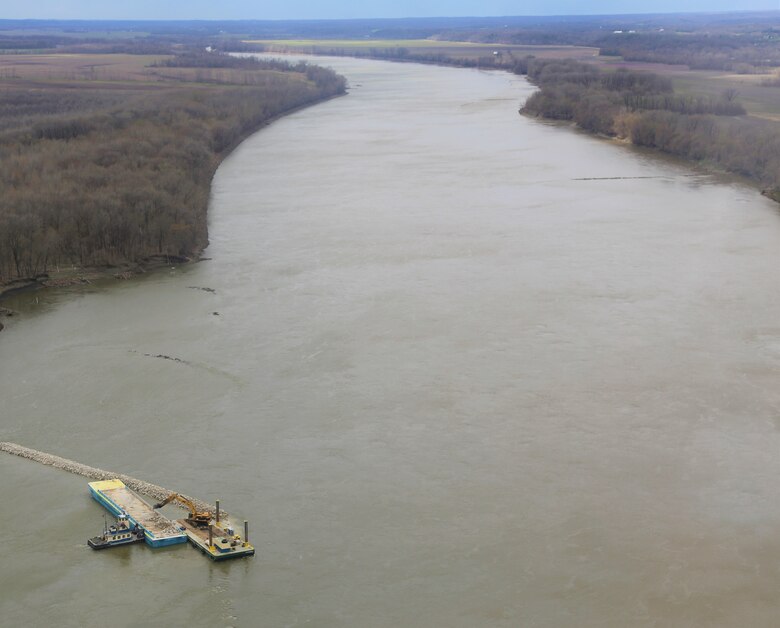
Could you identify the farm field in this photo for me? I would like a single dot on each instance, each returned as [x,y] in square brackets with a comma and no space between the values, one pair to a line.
[759,100]
[456,49]
[79,68]
[120,72]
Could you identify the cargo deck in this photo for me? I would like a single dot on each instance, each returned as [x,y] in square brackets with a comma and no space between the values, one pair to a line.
[223,546]
[115,497]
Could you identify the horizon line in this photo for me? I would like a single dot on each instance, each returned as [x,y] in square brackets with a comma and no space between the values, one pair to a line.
[357,19]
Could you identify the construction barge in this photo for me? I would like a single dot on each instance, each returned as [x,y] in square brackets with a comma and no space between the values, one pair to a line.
[114,496]
[218,543]
[213,537]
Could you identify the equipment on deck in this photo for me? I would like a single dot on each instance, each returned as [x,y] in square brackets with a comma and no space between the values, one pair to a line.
[197,518]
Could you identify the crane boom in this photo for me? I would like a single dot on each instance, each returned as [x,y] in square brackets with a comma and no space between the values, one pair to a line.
[197,517]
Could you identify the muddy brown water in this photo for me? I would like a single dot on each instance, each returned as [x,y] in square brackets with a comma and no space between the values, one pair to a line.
[468,369]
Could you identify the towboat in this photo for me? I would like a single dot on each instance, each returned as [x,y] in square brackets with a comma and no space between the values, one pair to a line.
[121,533]
[115,497]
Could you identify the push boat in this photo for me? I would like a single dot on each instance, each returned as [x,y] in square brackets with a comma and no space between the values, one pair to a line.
[121,533]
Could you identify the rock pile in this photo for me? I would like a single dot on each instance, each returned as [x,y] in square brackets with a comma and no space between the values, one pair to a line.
[139,486]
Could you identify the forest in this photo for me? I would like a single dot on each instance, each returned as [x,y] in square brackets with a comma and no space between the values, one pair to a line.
[643,108]
[107,152]
[95,175]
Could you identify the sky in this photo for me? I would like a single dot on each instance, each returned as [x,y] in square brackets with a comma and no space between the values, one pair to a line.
[345,9]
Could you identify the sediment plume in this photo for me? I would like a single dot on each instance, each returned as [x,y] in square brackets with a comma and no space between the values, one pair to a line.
[139,486]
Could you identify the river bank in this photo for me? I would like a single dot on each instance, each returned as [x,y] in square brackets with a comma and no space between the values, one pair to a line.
[643,108]
[75,276]
[71,276]
[130,182]
[693,127]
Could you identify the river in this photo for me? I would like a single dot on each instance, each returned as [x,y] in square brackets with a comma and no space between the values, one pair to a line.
[460,368]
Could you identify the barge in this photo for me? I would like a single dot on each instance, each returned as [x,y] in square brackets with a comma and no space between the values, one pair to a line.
[115,497]
[216,542]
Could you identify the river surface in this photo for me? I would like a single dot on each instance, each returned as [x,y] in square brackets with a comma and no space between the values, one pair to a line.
[460,368]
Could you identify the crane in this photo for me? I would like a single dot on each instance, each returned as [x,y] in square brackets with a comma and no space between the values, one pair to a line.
[197,517]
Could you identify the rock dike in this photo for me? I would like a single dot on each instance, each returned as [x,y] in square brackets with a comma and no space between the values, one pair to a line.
[139,486]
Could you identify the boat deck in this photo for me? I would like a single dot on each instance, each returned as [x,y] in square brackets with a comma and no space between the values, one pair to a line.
[118,499]
[225,546]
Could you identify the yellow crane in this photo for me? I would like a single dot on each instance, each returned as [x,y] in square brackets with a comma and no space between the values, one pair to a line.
[197,517]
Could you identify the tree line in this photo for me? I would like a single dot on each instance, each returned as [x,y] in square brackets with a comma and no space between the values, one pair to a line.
[644,109]
[742,43]
[744,53]
[104,178]
[635,105]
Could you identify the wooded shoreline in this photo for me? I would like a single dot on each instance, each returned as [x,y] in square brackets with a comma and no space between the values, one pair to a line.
[632,106]
[79,276]
[643,109]
[116,192]
[635,106]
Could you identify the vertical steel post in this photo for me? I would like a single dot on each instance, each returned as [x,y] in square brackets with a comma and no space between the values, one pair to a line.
[246,531]
[217,511]
[211,536]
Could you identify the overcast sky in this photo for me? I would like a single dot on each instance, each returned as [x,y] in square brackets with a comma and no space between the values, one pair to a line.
[337,9]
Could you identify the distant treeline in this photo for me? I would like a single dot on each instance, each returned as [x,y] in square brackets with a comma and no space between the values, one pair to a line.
[395,53]
[635,105]
[736,46]
[744,53]
[642,107]
[593,98]
[744,41]
[102,178]
[318,75]
[205,59]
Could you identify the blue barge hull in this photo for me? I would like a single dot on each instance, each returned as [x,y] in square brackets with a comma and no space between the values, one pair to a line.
[115,497]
